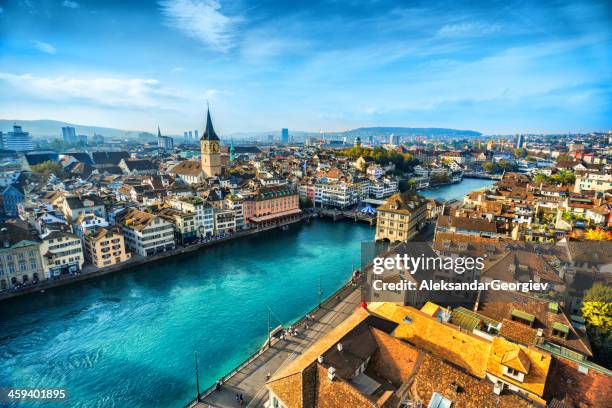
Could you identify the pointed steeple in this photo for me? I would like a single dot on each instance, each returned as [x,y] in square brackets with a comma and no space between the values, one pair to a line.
[158,132]
[209,132]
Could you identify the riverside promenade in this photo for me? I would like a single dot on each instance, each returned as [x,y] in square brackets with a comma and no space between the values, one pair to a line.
[249,379]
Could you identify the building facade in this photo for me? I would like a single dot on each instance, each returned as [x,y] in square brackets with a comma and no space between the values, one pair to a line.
[105,247]
[211,150]
[400,217]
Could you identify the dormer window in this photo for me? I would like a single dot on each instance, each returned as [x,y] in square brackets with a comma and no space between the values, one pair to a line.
[560,330]
[523,317]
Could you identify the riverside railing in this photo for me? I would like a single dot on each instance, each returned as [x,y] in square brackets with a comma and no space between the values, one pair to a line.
[338,295]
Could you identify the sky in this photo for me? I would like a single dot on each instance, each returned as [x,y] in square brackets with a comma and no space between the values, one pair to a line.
[492,66]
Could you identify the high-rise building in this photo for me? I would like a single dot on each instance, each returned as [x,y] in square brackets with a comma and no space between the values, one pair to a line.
[196,135]
[190,135]
[164,142]
[211,150]
[285,136]
[69,134]
[394,139]
[520,141]
[18,140]
[186,135]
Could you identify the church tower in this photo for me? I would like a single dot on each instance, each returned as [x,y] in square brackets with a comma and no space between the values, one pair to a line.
[210,149]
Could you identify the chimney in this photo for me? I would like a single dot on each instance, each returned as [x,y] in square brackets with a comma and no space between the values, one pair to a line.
[320,359]
[339,346]
[331,373]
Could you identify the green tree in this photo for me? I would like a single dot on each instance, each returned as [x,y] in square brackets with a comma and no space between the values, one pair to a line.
[597,312]
[489,167]
[49,167]
[520,153]
[540,178]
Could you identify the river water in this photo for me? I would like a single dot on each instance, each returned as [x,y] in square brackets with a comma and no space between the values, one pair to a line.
[128,339]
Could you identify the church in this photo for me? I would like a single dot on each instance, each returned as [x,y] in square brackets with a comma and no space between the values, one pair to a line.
[211,150]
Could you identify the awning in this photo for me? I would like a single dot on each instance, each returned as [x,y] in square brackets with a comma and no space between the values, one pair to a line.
[271,217]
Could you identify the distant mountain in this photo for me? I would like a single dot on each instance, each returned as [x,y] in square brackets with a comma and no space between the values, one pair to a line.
[53,128]
[407,131]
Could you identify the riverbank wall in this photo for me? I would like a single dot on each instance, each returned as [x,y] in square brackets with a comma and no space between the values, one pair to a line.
[135,261]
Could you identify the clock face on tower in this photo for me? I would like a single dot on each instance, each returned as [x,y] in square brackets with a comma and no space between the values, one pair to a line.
[214,147]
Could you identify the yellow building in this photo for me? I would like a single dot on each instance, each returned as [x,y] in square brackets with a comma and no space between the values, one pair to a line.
[400,217]
[211,150]
[105,247]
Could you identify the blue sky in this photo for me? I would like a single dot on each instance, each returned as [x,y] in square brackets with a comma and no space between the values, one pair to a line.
[496,67]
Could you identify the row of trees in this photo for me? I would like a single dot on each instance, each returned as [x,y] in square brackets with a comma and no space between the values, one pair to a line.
[499,167]
[49,167]
[562,176]
[403,162]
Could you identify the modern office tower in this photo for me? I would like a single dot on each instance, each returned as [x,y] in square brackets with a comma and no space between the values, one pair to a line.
[371,140]
[186,135]
[195,132]
[69,134]
[18,140]
[285,136]
[190,135]
[520,141]
[394,139]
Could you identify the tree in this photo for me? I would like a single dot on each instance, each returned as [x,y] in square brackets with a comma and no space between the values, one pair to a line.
[598,234]
[489,167]
[597,313]
[49,167]
[520,153]
[540,178]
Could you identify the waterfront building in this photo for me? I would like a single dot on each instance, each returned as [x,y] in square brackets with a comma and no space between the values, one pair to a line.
[235,203]
[211,150]
[272,204]
[145,234]
[184,224]
[69,134]
[17,140]
[104,247]
[62,253]
[225,221]
[336,194]
[375,171]
[400,217]
[74,206]
[383,188]
[204,214]
[20,261]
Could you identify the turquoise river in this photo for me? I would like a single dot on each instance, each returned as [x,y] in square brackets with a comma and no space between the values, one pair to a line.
[127,339]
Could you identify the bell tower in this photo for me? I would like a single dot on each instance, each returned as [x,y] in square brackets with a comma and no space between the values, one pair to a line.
[210,149]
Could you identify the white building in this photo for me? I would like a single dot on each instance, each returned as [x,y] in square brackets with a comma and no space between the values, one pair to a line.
[17,140]
[593,181]
[204,214]
[146,234]
[61,253]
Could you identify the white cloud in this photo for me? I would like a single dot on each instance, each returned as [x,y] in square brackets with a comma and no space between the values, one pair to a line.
[468,29]
[176,70]
[201,20]
[112,92]
[44,47]
[70,4]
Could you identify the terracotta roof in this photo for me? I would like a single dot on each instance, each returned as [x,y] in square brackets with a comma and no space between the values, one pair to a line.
[403,203]
[187,168]
[470,224]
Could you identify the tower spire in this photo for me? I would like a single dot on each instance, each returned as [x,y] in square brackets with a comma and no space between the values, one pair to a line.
[209,132]
[158,131]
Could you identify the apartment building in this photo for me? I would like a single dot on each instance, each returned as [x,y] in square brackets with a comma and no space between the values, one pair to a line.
[104,247]
[75,206]
[145,234]
[204,215]
[184,224]
[593,181]
[20,261]
[62,253]
[271,204]
[401,217]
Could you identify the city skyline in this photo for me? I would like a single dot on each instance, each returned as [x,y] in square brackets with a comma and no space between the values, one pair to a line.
[495,68]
